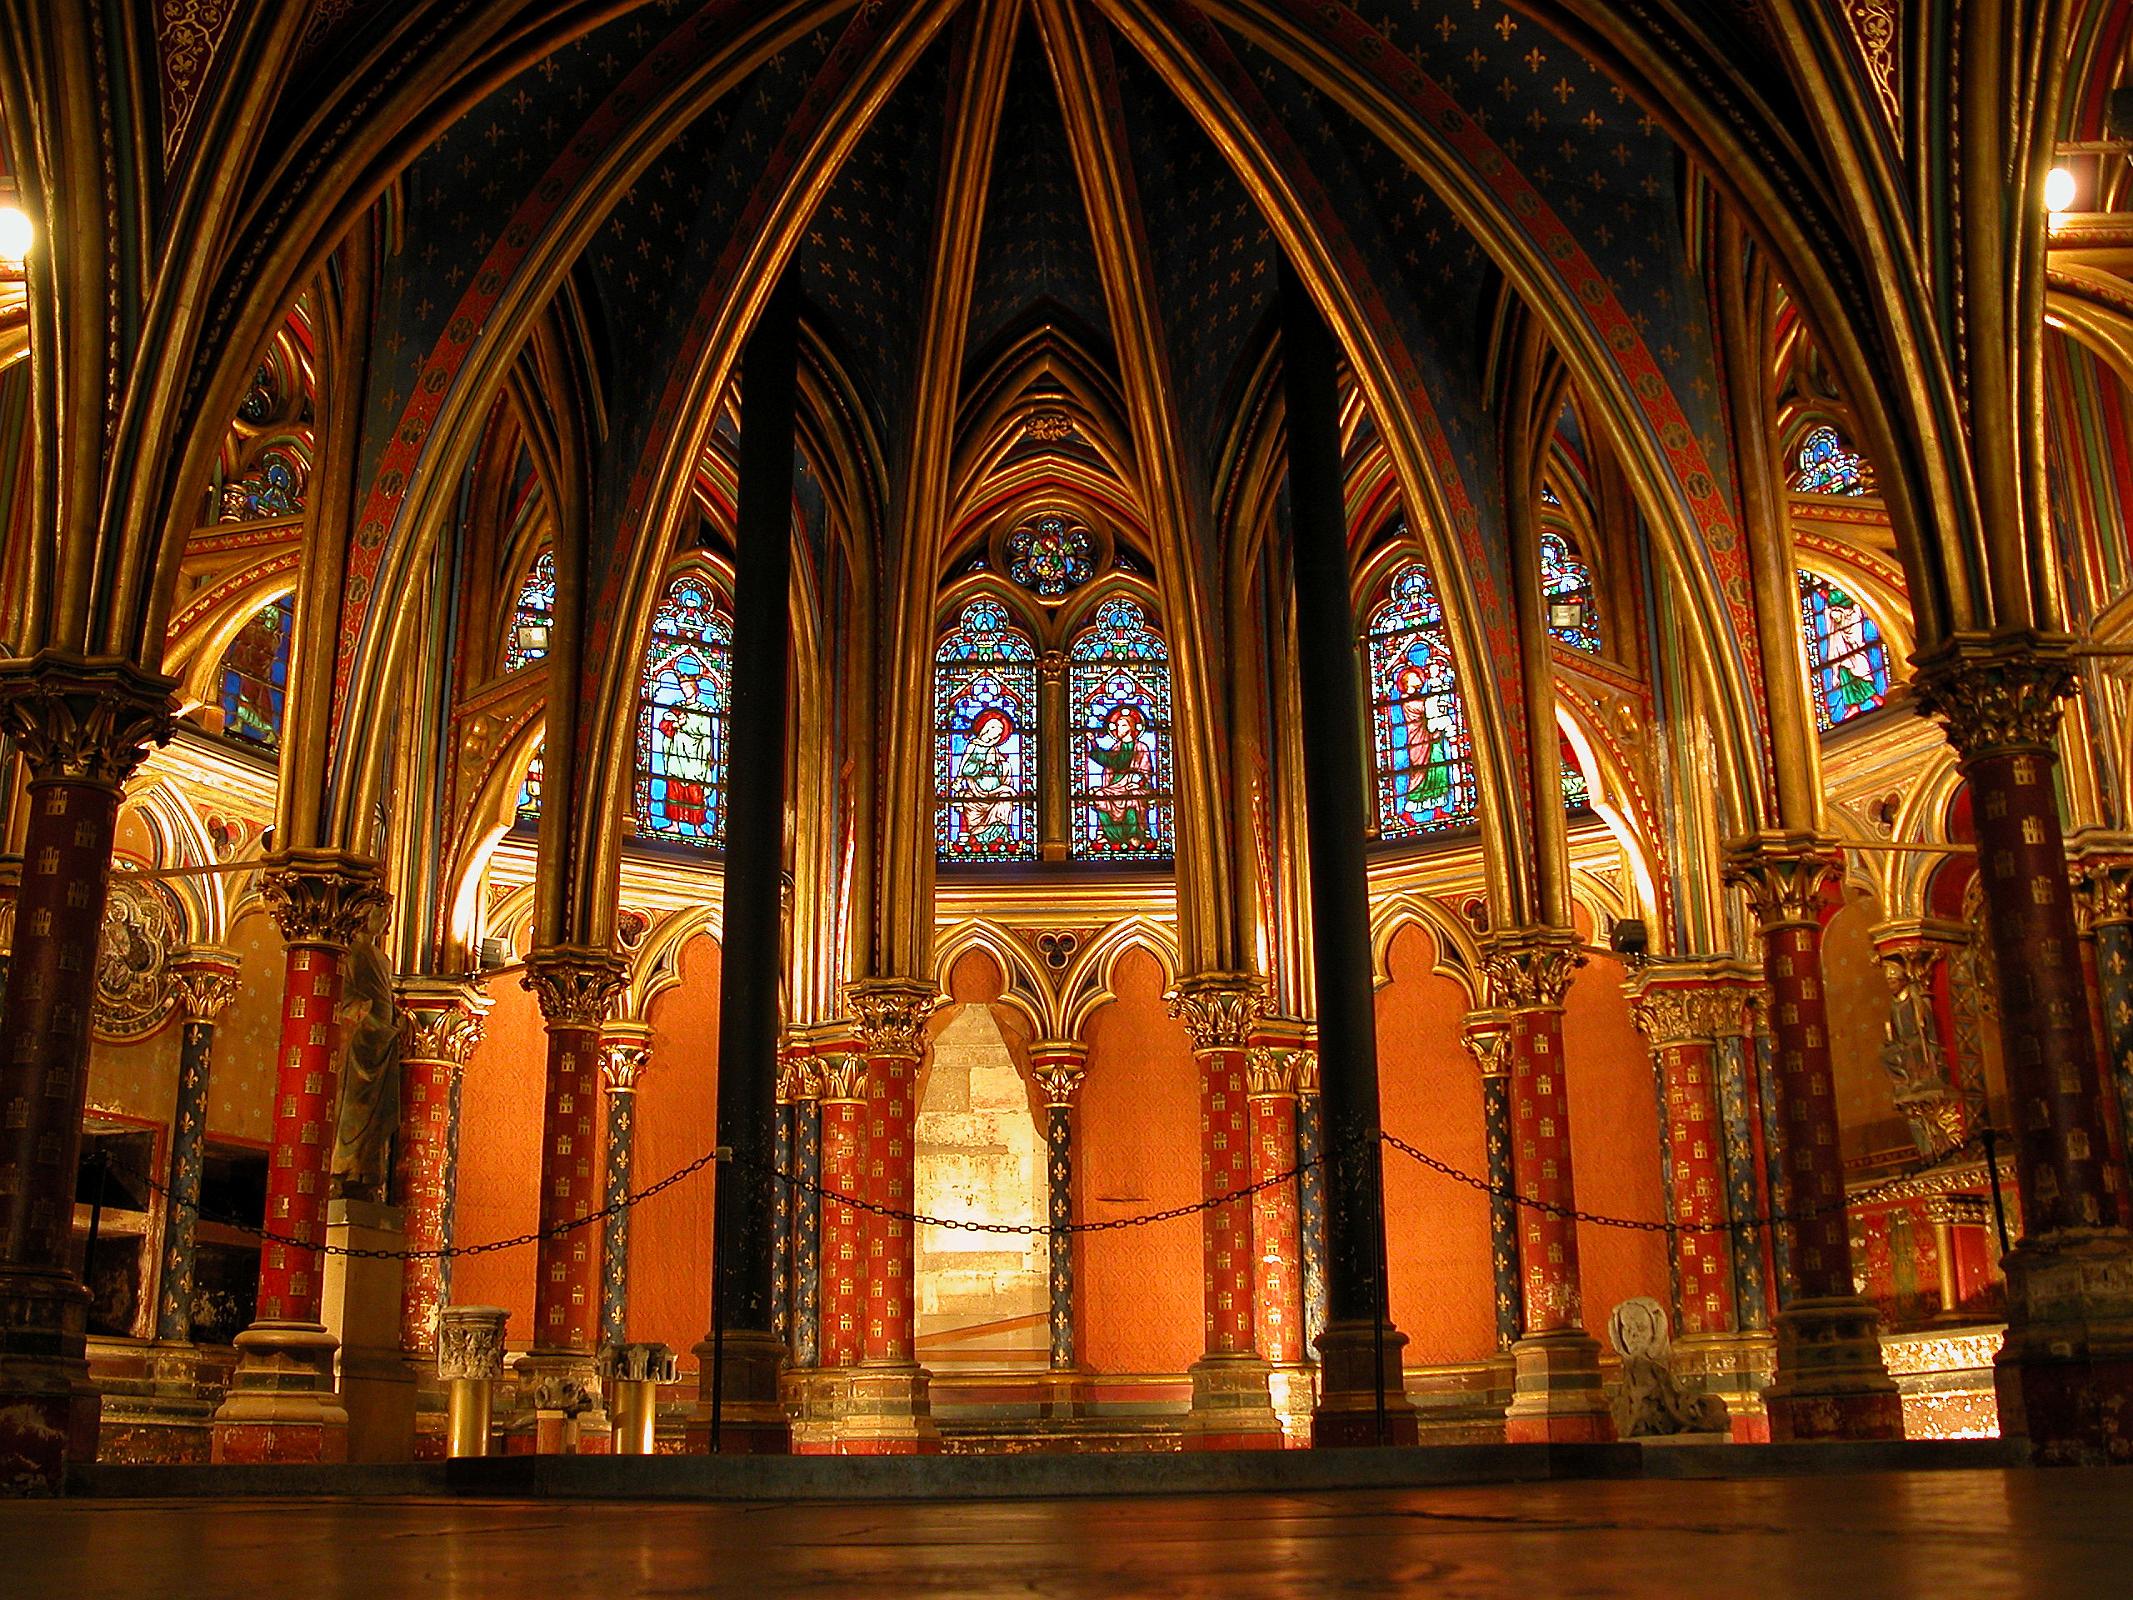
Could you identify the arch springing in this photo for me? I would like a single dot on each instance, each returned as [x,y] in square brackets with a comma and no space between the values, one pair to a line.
[1847,662]
[985,742]
[1425,755]
[1119,707]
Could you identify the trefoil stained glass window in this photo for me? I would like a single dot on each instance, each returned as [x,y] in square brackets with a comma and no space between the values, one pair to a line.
[1049,556]
[985,739]
[1119,709]
[1425,757]
[1566,591]
[255,676]
[683,700]
[533,616]
[1847,662]
[1827,465]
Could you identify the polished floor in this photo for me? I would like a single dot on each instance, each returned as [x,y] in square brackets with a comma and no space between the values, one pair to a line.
[1950,1535]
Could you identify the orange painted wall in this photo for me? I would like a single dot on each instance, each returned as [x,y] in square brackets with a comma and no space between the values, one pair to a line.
[1138,1150]
[240,1082]
[677,1121]
[1614,1144]
[498,1192]
[1867,1117]
[1436,1231]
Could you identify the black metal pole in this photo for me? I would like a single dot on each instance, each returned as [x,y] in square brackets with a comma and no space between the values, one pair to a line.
[745,1221]
[1991,1136]
[718,1307]
[100,1158]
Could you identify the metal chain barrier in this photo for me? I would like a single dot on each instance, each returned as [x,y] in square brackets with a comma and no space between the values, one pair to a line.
[1026,1229]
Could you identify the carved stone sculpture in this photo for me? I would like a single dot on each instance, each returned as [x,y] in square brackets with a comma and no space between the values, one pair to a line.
[470,1342]
[1651,1401]
[639,1363]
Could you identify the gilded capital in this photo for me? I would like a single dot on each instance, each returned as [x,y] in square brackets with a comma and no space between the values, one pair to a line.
[1059,1066]
[891,1013]
[1220,1010]
[1272,1073]
[1786,876]
[78,720]
[2103,892]
[1998,694]
[1670,1014]
[1529,969]
[325,897]
[440,1020]
[1487,1037]
[625,1054]
[799,1078]
[843,1077]
[577,985]
[1911,950]
[203,982]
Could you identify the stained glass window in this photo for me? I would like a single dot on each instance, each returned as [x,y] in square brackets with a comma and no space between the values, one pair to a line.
[1119,709]
[529,792]
[985,739]
[1577,793]
[255,675]
[1049,556]
[1827,465]
[273,488]
[533,616]
[1847,663]
[682,703]
[1566,590]
[1425,758]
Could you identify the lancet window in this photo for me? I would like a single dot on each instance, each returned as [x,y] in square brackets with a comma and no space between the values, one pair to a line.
[1567,592]
[1847,662]
[533,616]
[255,676]
[529,791]
[1119,710]
[1827,465]
[1425,756]
[684,697]
[985,738]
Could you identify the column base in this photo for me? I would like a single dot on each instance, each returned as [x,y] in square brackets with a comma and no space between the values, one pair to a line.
[1292,1388]
[817,1399]
[1065,1394]
[889,1411]
[1556,1394]
[752,1419]
[281,1405]
[1831,1380]
[1232,1407]
[2064,1373]
[1347,1412]
[1736,1368]
[49,1410]
[559,1405]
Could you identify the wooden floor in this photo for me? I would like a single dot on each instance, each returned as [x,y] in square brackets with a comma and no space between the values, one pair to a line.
[1950,1535]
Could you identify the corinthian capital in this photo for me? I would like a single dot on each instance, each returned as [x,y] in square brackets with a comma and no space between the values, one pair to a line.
[1531,968]
[799,1078]
[440,1019]
[843,1077]
[325,897]
[203,981]
[1692,1011]
[1785,874]
[2103,891]
[1487,1037]
[1220,1010]
[891,1013]
[1059,1066]
[1997,693]
[78,720]
[576,984]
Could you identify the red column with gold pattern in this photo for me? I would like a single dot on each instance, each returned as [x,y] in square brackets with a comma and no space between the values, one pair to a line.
[2065,1371]
[577,987]
[1274,1075]
[890,1406]
[440,1026]
[82,727]
[1556,1395]
[1831,1380]
[844,1162]
[281,1404]
[1232,1405]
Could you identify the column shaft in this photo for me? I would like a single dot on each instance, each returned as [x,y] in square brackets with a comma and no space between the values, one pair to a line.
[844,1155]
[1488,1036]
[1058,1068]
[1277,1287]
[206,982]
[441,1022]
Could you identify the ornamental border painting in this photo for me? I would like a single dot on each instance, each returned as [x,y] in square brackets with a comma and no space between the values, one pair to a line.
[985,739]
[1847,660]
[1425,757]
[1119,710]
[685,695]
[254,676]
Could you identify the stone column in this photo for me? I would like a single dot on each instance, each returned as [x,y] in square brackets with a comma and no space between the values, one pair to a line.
[626,1054]
[2106,885]
[1919,1052]
[1831,1381]
[205,982]
[1274,1075]
[1487,1035]
[577,987]
[891,1409]
[81,727]
[1556,1396]
[2065,1372]
[1311,1197]
[440,1026]
[281,1404]
[844,1247]
[1059,1067]
[800,1107]
[1054,813]
[1232,1407]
